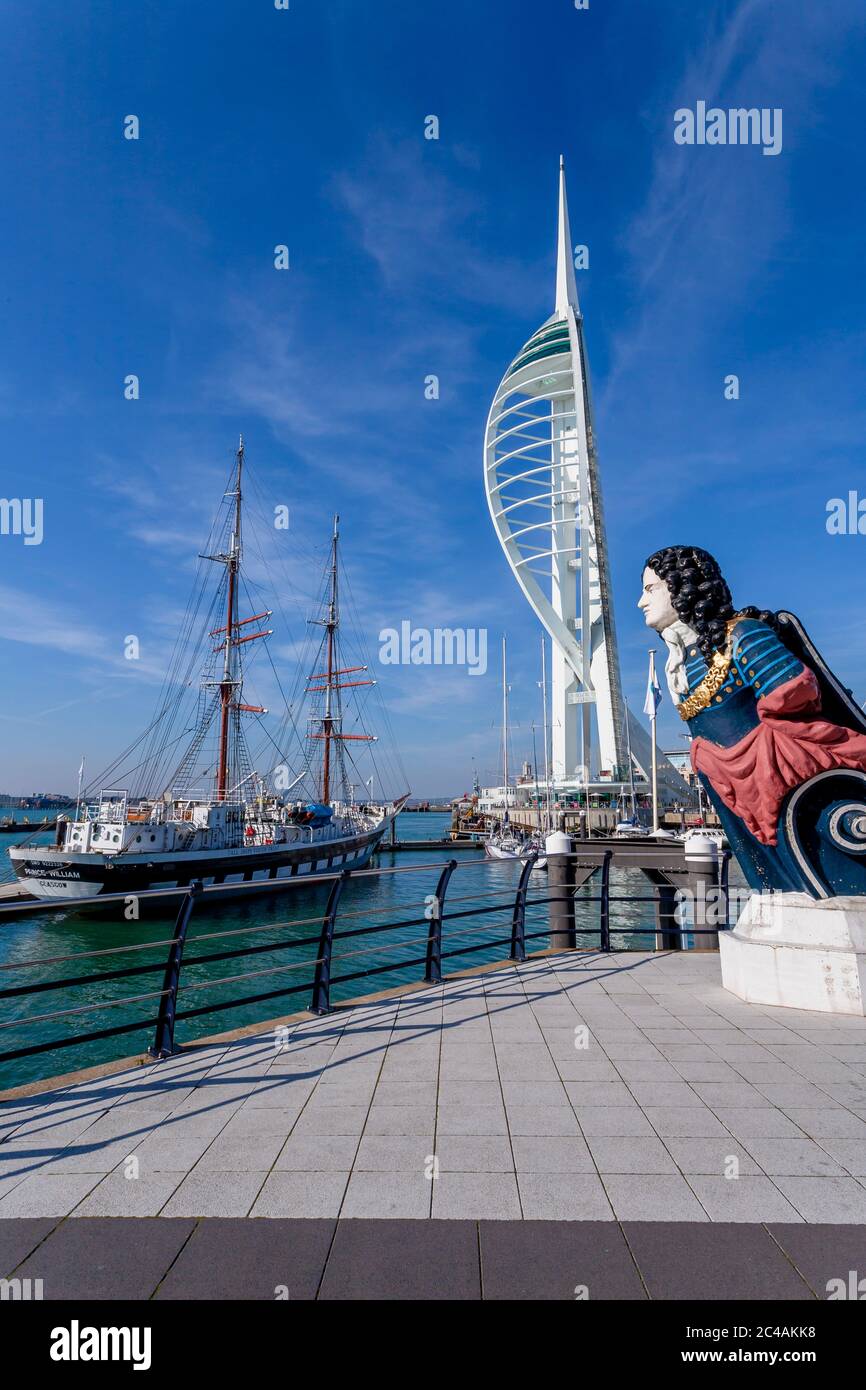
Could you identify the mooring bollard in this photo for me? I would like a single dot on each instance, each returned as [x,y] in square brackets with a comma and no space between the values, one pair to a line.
[560,880]
[702,867]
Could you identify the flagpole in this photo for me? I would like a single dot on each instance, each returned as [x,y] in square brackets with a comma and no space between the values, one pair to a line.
[630,765]
[655,768]
[548,820]
[80,775]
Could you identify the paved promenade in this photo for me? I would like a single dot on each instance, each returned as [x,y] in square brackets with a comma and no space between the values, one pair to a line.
[576,1088]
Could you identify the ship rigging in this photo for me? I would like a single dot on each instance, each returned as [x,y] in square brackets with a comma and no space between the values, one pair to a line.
[242,825]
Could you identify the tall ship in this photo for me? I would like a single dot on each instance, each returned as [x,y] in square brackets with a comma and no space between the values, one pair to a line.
[201,802]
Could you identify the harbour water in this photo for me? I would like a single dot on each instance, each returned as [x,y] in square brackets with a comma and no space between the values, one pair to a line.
[294,914]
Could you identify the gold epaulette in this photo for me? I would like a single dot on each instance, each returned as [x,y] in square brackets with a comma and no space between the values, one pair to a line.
[714,679]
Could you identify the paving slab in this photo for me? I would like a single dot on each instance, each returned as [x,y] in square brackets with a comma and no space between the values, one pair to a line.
[464,1196]
[638,1156]
[468,1119]
[43,1194]
[233,1259]
[83,1260]
[614,1121]
[19,1238]
[564,1197]
[656,1197]
[796,1157]
[214,1194]
[472,1153]
[822,1200]
[551,1154]
[710,1155]
[527,1120]
[836,1123]
[301,1195]
[546,1260]
[850,1154]
[824,1254]
[333,1153]
[716,1261]
[750,1197]
[406,1260]
[393,1195]
[117,1195]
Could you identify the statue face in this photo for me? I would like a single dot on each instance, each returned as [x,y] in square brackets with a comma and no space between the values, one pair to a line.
[655,602]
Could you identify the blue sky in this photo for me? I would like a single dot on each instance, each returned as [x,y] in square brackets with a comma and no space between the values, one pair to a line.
[412,257]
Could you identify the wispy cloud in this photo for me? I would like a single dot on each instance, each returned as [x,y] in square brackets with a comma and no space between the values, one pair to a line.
[423,228]
[37,622]
[704,238]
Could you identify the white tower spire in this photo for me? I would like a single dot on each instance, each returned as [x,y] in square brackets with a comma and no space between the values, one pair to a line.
[544,495]
[566,285]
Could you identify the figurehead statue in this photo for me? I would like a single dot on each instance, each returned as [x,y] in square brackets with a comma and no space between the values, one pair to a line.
[778,743]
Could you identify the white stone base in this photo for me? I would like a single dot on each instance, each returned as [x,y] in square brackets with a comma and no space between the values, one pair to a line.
[791,951]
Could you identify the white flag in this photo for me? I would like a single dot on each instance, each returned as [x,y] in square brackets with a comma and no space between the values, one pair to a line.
[81,770]
[653,694]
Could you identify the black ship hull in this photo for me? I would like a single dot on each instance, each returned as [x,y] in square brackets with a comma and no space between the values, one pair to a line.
[55,874]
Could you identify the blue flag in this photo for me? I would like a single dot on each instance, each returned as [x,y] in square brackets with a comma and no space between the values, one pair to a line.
[653,694]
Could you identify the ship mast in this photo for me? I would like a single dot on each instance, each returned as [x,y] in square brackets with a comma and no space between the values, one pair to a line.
[227,684]
[331,717]
[504,731]
[230,684]
[331,626]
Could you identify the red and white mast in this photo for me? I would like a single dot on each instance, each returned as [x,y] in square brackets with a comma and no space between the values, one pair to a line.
[330,677]
[230,685]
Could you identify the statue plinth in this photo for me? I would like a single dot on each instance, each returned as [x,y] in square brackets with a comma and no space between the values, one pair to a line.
[792,952]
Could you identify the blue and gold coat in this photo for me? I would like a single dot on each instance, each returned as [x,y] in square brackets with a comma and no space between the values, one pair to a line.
[780,748]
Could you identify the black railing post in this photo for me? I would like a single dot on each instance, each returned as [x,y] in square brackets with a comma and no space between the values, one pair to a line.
[518,920]
[434,914]
[163,1043]
[605,900]
[321,1001]
[668,918]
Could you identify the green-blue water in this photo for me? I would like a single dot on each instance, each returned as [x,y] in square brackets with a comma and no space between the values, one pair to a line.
[289,916]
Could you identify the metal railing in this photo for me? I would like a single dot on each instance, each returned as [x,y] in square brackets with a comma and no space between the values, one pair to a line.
[434,945]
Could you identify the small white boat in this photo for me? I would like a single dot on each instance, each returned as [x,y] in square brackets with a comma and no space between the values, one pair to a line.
[504,842]
[506,845]
[627,830]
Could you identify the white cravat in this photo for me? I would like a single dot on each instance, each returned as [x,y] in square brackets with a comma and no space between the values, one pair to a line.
[677,637]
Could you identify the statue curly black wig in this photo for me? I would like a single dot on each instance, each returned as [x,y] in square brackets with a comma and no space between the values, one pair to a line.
[700,595]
